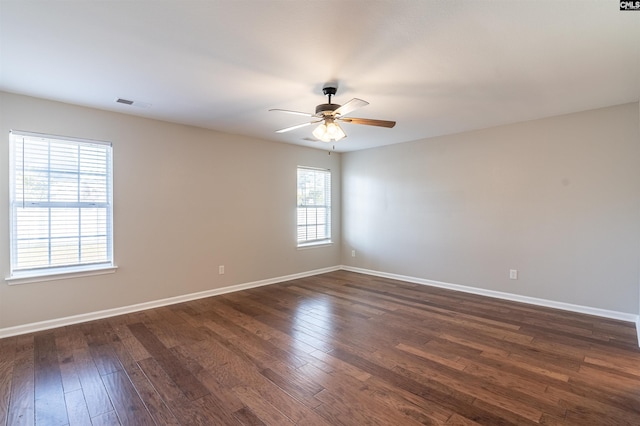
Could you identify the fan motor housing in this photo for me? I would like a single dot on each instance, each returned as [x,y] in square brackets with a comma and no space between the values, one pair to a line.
[323,109]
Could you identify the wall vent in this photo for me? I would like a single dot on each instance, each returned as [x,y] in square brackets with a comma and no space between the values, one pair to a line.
[133,103]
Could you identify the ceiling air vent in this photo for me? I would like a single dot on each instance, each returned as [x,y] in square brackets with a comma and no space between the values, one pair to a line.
[133,103]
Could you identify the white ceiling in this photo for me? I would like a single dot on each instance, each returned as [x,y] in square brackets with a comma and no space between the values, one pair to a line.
[436,67]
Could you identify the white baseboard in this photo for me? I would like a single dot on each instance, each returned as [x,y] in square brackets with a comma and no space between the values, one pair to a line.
[75,319]
[90,316]
[623,316]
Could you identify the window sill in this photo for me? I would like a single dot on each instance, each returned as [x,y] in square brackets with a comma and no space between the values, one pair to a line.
[27,278]
[315,245]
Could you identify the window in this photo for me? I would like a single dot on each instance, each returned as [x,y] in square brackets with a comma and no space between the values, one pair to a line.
[61,205]
[314,206]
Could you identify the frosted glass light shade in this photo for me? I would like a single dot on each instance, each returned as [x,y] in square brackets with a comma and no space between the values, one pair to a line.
[320,131]
[329,131]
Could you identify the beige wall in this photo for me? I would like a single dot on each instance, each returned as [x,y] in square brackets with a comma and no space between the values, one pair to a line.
[186,200]
[558,199]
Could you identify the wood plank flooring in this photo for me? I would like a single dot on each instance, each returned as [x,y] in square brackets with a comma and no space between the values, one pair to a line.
[334,349]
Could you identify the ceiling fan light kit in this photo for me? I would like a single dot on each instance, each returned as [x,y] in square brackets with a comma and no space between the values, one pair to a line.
[331,131]
[329,114]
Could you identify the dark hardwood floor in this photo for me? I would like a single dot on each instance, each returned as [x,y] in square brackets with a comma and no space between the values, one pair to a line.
[334,349]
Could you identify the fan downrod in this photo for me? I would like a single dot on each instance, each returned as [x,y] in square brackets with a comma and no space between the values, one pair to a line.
[329,89]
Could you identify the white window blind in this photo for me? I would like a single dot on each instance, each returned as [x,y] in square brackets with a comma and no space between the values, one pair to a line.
[314,206]
[61,204]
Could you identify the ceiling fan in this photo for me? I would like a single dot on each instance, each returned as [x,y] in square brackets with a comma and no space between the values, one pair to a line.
[328,115]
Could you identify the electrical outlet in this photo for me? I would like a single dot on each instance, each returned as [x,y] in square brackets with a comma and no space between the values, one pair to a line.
[221,269]
[353,253]
[513,274]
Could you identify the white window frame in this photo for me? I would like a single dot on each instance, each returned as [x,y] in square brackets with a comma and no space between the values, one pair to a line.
[313,221]
[45,271]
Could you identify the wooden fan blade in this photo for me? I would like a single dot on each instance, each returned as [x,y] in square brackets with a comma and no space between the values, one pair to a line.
[306,114]
[287,129]
[369,122]
[350,106]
